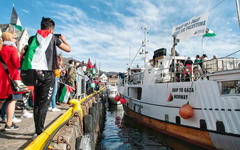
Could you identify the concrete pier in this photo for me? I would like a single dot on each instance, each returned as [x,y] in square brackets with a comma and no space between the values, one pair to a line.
[19,139]
[82,129]
[70,129]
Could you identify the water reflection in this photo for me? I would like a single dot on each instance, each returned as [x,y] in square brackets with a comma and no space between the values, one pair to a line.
[123,133]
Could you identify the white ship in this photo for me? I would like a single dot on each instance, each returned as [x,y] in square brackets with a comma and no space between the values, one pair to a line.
[112,91]
[208,97]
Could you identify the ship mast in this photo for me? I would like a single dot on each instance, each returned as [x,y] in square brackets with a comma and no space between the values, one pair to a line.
[237,5]
[142,49]
[173,54]
[144,46]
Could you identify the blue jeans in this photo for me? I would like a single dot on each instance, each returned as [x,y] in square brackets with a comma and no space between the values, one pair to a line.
[4,111]
[53,101]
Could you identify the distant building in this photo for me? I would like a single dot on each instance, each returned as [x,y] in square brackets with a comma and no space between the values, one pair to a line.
[113,80]
[21,36]
[103,78]
[23,40]
[15,27]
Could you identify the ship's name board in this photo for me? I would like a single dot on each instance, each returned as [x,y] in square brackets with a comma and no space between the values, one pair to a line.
[182,90]
[181,93]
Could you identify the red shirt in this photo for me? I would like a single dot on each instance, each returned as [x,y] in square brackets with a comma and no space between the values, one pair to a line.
[10,56]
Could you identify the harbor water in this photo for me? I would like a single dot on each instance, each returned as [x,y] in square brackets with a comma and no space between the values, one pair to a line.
[122,133]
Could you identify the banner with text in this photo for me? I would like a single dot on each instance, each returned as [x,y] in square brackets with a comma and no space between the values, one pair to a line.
[196,26]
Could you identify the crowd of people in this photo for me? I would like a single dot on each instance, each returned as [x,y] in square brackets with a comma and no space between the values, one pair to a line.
[44,64]
[72,74]
[184,69]
[50,74]
[42,88]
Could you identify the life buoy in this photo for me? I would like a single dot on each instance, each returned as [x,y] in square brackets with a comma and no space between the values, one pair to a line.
[123,100]
[117,97]
[186,111]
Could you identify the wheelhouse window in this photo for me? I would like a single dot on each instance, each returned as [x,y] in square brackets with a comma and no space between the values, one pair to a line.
[230,87]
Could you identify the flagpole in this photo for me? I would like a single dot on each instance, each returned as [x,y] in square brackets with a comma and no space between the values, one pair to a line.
[66,84]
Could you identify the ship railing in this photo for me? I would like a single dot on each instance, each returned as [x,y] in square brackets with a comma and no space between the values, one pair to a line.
[221,64]
[178,73]
[134,78]
[45,138]
[195,71]
[137,78]
[122,81]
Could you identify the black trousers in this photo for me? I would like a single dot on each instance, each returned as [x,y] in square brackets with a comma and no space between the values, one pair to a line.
[43,93]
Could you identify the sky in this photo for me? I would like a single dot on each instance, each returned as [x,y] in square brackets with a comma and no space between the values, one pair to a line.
[110,32]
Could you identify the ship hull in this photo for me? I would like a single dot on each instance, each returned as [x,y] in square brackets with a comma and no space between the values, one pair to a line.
[214,122]
[188,134]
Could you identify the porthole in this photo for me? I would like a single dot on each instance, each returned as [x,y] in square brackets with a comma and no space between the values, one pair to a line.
[178,120]
[203,125]
[220,127]
[166,118]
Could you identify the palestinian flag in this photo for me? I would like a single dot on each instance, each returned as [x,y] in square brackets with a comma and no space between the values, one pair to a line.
[209,33]
[92,84]
[93,70]
[15,20]
[93,66]
[89,65]
[65,93]
[35,57]
[170,97]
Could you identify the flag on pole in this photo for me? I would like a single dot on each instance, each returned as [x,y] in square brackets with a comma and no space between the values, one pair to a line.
[89,66]
[93,66]
[65,93]
[209,33]
[93,70]
[15,20]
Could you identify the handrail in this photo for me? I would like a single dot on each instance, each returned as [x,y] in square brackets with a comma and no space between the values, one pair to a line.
[40,142]
[42,139]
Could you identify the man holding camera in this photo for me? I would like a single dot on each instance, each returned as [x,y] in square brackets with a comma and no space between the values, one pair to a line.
[42,57]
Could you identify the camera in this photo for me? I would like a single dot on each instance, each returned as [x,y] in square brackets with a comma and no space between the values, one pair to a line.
[57,35]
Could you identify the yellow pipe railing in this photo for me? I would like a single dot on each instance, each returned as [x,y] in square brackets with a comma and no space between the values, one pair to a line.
[43,138]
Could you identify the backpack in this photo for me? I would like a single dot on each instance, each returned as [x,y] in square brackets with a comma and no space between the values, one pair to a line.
[27,76]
